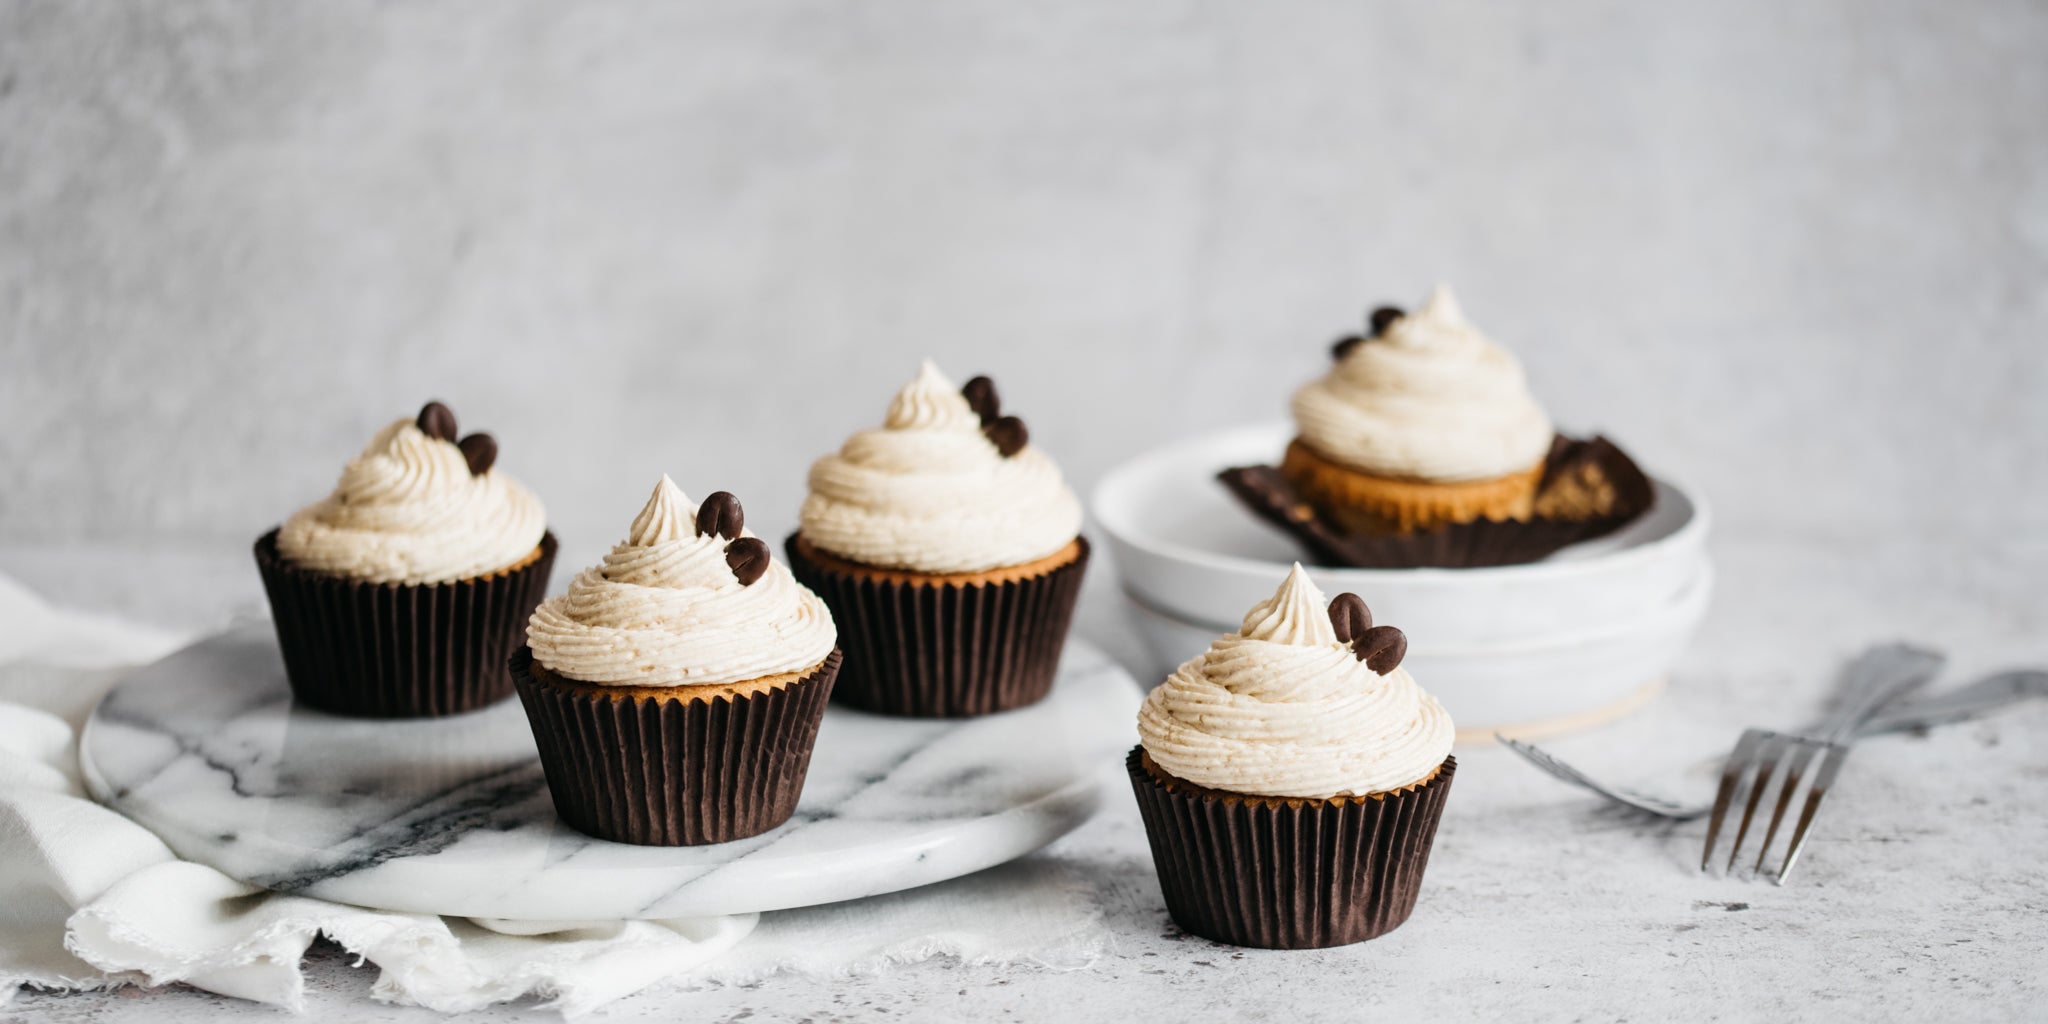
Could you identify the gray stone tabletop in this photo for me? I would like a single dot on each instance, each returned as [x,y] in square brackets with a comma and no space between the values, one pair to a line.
[1921,896]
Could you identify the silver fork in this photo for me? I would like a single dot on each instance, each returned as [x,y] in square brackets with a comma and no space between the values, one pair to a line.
[1648,803]
[1876,678]
[1981,697]
[1988,694]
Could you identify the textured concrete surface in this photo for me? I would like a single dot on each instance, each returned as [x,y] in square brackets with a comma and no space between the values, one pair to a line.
[1920,898]
[1793,252]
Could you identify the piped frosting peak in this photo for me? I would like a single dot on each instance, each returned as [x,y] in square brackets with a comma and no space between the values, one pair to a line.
[1293,615]
[1287,707]
[930,402]
[665,517]
[676,605]
[943,486]
[418,507]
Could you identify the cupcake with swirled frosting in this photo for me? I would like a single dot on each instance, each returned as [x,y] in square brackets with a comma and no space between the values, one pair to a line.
[675,690]
[402,592]
[1291,777]
[1423,421]
[950,551]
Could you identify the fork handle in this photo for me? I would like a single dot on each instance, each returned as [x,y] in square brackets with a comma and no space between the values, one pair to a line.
[1983,696]
[1877,677]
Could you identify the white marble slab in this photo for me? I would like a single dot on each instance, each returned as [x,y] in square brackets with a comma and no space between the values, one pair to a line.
[452,816]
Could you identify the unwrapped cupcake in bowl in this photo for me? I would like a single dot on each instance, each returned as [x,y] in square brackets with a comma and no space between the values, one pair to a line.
[1422,446]
[1550,583]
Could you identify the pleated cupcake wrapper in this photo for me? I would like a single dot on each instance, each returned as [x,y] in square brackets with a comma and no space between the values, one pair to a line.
[665,771]
[386,650]
[1288,874]
[944,650]
[1273,498]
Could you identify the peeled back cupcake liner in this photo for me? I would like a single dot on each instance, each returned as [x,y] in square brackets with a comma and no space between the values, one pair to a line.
[657,769]
[392,650]
[1588,489]
[932,648]
[1280,873]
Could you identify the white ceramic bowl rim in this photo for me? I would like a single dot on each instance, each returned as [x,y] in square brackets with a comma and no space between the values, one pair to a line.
[1102,500]
[1687,602]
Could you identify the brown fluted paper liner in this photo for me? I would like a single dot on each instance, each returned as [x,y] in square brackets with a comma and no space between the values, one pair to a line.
[1288,874]
[656,770]
[1589,489]
[386,650]
[939,649]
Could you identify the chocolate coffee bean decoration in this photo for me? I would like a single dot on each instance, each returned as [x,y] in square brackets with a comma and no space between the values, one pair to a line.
[720,514]
[1350,617]
[1344,346]
[482,452]
[747,557]
[436,421]
[981,397]
[1384,317]
[1382,648]
[1008,435]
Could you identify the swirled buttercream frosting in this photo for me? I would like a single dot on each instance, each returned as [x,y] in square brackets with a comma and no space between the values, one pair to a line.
[667,608]
[1283,708]
[409,510]
[1429,398]
[932,491]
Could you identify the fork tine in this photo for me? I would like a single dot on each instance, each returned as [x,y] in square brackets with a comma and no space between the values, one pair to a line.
[1803,752]
[1731,773]
[1822,782]
[1773,751]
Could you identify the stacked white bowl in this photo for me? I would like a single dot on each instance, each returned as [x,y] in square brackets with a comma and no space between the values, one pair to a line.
[1576,639]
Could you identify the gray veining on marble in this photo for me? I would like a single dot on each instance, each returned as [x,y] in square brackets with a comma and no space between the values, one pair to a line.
[452,816]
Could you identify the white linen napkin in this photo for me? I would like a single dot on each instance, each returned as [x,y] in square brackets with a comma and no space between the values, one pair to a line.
[89,899]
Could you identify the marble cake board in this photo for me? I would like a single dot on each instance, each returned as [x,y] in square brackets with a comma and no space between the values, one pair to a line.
[452,816]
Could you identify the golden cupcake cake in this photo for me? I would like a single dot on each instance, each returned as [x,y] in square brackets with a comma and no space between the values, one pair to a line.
[1291,777]
[949,549]
[676,689]
[1422,422]
[402,593]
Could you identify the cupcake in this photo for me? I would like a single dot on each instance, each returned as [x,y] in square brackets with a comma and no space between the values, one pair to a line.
[1421,423]
[949,550]
[401,594]
[675,690]
[1291,777]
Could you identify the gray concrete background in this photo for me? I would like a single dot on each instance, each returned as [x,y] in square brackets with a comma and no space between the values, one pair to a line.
[1795,253]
